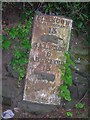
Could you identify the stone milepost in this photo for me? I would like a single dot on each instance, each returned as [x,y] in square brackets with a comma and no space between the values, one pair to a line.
[50,40]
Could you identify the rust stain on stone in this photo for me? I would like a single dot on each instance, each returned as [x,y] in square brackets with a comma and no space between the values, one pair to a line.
[50,39]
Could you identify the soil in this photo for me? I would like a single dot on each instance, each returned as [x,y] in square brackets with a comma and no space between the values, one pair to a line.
[12,92]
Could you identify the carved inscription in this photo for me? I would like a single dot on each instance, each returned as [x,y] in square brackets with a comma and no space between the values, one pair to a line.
[49,44]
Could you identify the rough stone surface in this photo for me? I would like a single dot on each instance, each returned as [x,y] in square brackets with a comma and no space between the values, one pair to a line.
[11,71]
[74,92]
[50,40]
[36,107]
[69,105]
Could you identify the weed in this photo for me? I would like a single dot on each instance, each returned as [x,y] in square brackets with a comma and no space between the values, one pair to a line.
[65,93]
[5,42]
[26,14]
[21,72]
[69,114]
[49,8]
[76,11]
[80,105]
[19,35]
[13,33]
[67,78]
[20,56]
[17,54]
[26,44]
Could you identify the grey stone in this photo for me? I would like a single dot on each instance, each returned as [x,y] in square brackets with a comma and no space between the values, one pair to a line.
[82,67]
[80,51]
[77,90]
[37,12]
[81,83]
[11,71]
[82,89]
[79,55]
[79,79]
[69,105]
[36,107]
[74,92]
[6,101]
[0,98]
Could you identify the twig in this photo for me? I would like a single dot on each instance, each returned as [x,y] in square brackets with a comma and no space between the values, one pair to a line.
[83,97]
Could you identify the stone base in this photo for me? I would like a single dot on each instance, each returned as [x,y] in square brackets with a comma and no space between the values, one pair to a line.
[36,107]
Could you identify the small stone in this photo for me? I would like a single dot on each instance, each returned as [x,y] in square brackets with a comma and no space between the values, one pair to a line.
[78,69]
[78,58]
[8,114]
[6,101]
[12,72]
[16,109]
[82,89]
[74,92]
[76,78]
[70,105]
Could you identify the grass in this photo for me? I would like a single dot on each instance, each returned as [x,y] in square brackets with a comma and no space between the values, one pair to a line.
[69,114]
[80,105]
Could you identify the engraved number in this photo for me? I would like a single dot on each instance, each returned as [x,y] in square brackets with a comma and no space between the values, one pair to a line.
[48,54]
[53,30]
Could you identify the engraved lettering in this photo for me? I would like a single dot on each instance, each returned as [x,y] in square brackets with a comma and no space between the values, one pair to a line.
[62,21]
[56,62]
[48,68]
[57,20]
[34,45]
[40,45]
[49,54]
[36,59]
[67,23]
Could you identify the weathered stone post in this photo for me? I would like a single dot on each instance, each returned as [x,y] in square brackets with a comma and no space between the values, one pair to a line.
[50,40]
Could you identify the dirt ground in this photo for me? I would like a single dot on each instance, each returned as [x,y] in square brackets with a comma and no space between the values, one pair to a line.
[12,92]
